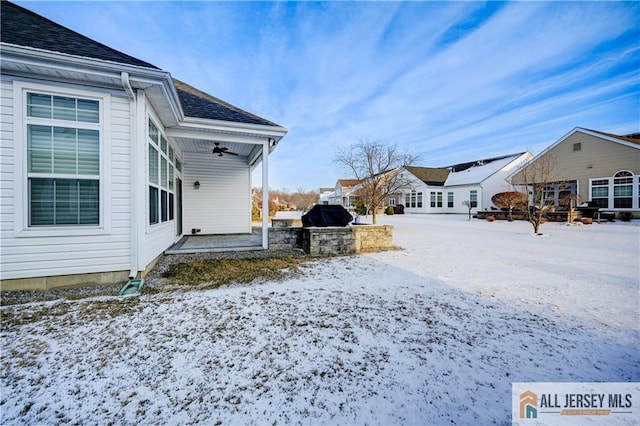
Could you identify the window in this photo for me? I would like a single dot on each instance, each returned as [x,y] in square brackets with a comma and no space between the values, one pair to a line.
[616,192]
[435,199]
[63,160]
[450,199]
[473,197]
[600,192]
[577,146]
[392,201]
[161,177]
[413,199]
[623,190]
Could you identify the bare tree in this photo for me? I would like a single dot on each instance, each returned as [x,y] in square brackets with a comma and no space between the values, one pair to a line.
[304,200]
[535,177]
[377,164]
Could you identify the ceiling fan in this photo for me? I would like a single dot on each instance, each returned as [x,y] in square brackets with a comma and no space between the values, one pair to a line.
[221,150]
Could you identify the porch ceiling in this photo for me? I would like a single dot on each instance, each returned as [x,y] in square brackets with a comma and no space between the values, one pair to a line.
[206,146]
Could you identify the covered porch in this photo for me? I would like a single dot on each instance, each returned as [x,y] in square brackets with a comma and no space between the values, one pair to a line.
[214,186]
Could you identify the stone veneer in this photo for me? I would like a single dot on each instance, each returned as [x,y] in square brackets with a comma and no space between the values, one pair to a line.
[333,240]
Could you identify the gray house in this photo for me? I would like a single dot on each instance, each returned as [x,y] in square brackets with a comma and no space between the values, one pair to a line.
[107,160]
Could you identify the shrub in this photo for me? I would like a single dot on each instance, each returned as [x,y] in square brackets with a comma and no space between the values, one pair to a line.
[399,209]
[389,210]
[360,208]
[510,200]
[625,216]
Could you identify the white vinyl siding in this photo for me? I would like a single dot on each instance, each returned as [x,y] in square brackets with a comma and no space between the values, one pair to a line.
[157,236]
[49,251]
[222,203]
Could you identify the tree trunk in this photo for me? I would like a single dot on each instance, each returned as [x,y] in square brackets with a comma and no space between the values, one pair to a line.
[373,214]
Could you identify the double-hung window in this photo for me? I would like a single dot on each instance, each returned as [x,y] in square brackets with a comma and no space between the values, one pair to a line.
[161,177]
[623,190]
[616,192]
[63,160]
[473,197]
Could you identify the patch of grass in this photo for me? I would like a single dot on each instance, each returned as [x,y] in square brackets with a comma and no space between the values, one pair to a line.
[215,273]
[61,314]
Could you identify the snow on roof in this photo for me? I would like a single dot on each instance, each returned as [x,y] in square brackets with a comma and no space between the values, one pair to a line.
[480,171]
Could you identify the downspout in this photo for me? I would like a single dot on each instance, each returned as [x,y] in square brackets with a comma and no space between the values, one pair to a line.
[133,164]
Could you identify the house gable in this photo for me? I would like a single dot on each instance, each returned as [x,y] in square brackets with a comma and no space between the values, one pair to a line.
[586,156]
[583,153]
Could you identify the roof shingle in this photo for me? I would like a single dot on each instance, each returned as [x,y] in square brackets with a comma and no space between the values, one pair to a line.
[199,104]
[23,27]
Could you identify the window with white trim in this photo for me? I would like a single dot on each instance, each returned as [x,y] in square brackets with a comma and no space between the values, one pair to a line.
[600,192]
[620,191]
[473,197]
[623,190]
[435,199]
[392,201]
[413,199]
[161,177]
[63,160]
[449,199]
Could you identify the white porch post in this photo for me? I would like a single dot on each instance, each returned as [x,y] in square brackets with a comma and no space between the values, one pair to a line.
[265,194]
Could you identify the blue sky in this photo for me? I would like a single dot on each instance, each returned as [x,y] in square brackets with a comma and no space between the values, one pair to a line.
[449,81]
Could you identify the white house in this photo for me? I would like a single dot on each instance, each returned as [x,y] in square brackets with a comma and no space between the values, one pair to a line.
[444,189]
[344,193]
[106,160]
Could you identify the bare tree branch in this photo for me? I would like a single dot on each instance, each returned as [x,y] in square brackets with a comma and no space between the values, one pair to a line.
[377,164]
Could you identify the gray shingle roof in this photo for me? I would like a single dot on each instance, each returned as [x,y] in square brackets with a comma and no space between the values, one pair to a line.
[25,28]
[199,104]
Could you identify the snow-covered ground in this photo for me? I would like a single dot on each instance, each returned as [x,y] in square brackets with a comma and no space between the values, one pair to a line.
[433,334]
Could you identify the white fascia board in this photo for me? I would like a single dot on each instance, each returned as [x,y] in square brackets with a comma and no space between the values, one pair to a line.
[259,130]
[141,77]
[235,137]
[64,61]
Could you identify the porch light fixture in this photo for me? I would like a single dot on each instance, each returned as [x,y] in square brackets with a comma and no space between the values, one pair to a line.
[196,184]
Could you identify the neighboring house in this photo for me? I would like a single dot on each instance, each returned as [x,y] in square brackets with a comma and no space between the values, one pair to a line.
[420,182]
[326,195]
[107,160]
[599,167]
[444,189]
[344,193]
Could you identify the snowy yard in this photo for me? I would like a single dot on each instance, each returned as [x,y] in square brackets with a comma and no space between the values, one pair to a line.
[433,334]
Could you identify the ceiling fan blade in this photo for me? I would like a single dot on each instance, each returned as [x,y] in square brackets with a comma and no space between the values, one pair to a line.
[232,153]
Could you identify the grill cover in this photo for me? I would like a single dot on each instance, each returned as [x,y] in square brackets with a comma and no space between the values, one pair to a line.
[326,215]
